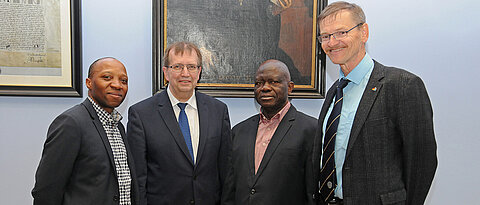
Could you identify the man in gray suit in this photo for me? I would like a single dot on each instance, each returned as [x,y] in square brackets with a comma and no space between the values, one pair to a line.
[272,151]
[86,159]
[383,148]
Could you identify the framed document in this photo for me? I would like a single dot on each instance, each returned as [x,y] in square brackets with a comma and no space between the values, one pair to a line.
[40,48]
[236,36]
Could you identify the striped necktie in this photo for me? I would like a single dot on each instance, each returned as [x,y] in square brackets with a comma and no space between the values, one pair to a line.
[328,177]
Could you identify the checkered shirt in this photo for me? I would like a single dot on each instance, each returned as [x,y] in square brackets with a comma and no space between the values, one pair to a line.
[110,125]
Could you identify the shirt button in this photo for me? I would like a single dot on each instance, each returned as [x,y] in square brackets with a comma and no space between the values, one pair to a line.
[268,129]
[252,192]
[264,144]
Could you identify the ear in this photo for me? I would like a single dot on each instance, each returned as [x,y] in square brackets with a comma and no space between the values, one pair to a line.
[199,72]
[365,32]
[165,73]
[290,87]
[88,82]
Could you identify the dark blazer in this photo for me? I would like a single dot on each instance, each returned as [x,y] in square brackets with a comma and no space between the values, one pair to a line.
[391,154]
[165,171]
[77,164]
[285,173]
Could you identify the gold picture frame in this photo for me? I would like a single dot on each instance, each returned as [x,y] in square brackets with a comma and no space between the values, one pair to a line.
[235,36]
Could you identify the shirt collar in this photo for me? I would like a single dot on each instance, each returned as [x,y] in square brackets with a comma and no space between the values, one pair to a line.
[359,72]
[192,101]
[277,116]
[104,116]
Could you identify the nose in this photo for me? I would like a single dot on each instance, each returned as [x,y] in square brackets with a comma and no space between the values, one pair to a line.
[266,87]
[184,71]
[117,84]
[332,41]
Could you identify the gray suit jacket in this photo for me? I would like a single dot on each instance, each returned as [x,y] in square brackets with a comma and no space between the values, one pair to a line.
[391,154]
[165,170]
[285,173]
[77,164]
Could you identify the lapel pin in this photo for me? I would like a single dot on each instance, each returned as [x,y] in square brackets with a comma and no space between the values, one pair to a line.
[374,89]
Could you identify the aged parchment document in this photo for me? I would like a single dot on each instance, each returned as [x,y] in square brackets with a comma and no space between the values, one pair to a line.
[31,42]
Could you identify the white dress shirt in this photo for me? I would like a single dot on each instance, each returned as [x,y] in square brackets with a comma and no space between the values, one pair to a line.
[192,114]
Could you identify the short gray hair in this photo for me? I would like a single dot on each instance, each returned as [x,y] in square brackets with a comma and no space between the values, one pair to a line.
[335,7]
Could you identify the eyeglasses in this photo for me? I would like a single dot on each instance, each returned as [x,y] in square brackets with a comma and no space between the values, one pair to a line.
[179,67]
[337,35]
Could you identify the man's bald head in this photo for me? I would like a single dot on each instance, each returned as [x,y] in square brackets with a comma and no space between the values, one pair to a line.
[281,67]
[92,67]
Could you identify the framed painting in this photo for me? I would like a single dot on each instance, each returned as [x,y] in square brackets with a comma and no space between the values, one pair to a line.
[236,36]
[40,48]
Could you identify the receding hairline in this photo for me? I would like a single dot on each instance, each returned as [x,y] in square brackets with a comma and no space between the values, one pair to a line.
[335,8]
[95,63]
[180,48]
[273,63]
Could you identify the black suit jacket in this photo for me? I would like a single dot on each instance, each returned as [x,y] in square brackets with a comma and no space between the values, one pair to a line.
[165,171]
[285,173]
[77,164]
[391,154]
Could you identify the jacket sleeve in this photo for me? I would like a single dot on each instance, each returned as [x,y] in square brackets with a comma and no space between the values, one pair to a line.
[225,161]
[58,159]
[309,170]
[419,147]
[137,143]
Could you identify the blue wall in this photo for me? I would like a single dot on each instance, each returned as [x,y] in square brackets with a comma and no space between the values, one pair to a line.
[437,40]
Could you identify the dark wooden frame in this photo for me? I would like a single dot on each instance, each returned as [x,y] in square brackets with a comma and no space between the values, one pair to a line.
[315,90]
[75,90]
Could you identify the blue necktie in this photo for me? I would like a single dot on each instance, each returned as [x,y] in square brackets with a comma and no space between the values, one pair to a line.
[183,122]
[328,177]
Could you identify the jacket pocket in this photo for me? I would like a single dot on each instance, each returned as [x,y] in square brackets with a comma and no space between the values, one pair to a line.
[396,197]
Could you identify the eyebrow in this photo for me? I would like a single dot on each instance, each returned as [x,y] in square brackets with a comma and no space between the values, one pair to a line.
[335,30]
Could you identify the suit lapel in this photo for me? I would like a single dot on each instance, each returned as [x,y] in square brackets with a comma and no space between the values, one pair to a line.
[165,111]
[326,105]
[368,98]
[277,138]
[319,136]
[251,137]
[101,132]
[203,116]
[131,163]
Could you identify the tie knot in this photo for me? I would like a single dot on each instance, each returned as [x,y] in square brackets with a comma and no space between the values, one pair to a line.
[182,106]
[343,82]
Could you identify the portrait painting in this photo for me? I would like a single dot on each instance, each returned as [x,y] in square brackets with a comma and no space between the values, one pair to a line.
[236,36]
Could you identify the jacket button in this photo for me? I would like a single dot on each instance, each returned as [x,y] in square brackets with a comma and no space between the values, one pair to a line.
[252,192]
[192,201]
[115,198]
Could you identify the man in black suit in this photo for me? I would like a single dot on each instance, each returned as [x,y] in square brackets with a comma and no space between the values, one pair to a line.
[85,159]
[182,161]
[384,145]
[272,151]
